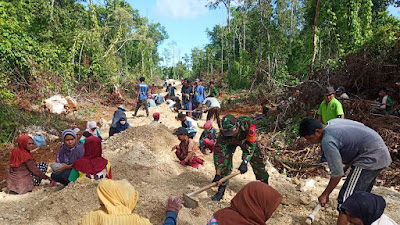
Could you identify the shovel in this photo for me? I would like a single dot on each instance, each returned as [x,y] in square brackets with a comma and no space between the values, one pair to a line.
[190,202]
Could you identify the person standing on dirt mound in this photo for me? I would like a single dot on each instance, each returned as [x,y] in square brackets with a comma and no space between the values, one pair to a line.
[353,144]
[236,132]
[142,96]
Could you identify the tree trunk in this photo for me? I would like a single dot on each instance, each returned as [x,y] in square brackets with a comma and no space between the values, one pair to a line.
[315,27]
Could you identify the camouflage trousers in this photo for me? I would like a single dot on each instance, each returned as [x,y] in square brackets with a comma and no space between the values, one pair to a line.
[223,161]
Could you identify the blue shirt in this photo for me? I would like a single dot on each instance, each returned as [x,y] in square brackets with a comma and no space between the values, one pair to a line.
[143,88]
[170,218]
[199,94]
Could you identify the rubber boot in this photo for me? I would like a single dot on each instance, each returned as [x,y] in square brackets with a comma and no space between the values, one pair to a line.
[220,193]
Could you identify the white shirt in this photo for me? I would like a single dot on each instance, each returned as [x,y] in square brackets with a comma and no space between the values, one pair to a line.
[344,95]
[193,122]
[384,220]
[214,102]
[384,99]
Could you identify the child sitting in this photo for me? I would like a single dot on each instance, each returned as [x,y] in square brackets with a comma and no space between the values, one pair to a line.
[156,119]
[208,133]
[209,144]
[187,152]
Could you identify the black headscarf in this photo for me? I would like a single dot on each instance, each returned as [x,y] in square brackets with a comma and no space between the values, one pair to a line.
[366,206]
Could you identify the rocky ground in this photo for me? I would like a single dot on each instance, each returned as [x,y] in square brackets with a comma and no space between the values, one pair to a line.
[142,155]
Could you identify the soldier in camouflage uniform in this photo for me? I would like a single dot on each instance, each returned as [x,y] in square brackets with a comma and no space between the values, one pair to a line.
[236,132]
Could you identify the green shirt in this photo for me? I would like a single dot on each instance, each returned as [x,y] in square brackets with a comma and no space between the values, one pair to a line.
[212,92]
[332,111]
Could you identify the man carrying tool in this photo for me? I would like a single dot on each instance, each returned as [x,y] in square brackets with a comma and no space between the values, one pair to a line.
[350,143]
[236,132]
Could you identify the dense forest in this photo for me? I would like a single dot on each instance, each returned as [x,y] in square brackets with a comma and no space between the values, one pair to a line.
[75,43]
[288,40]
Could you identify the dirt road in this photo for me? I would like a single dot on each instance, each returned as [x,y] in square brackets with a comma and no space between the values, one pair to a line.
[142,155]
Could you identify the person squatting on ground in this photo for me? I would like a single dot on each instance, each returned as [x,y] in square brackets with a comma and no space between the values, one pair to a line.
[208,137]
[91,127]
[120,124]
[142,96]
[92,164]
[24,174]
[264,110]
[78,134]
[350,143]
[156,119]
[69,152]
[386,102]
[118,200]
[253,204]
[189,124]
[187,151]
[212,106]
[364,208]
[341,92]
[236,132]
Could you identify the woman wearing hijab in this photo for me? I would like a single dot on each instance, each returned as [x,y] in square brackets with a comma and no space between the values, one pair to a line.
[69,152]
[364,208]
[91,127]
[78,134]
[24,174]
[208,135]
[121,124]
[254,204]
[91,165]
[118,200]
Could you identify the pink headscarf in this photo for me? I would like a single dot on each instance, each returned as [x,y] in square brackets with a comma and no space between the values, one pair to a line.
[89,126]
[208,125]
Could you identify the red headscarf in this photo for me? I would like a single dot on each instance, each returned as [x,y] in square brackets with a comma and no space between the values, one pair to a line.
[254,204]
[20,154]
[92,162]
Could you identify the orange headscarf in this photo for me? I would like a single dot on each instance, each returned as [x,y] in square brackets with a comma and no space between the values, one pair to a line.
[20,154]
[254,204]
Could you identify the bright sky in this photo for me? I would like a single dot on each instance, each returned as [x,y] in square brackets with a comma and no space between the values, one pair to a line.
[186,22]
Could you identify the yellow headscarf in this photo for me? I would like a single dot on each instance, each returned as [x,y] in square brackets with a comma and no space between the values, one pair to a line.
[117,200]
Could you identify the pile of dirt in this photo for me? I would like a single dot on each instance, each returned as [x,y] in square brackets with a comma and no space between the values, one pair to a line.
[142,155]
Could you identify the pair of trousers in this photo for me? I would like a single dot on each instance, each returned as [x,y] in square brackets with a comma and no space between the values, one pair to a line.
[195,163]
[61,177]
[139,104]
[214,112]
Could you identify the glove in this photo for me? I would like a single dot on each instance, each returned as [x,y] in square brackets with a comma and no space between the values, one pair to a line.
[216,178]
[183,162]
[243,167]
[174,204]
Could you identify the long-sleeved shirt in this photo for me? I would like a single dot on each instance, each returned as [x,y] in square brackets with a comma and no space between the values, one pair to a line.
[170,218]
[19,179]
